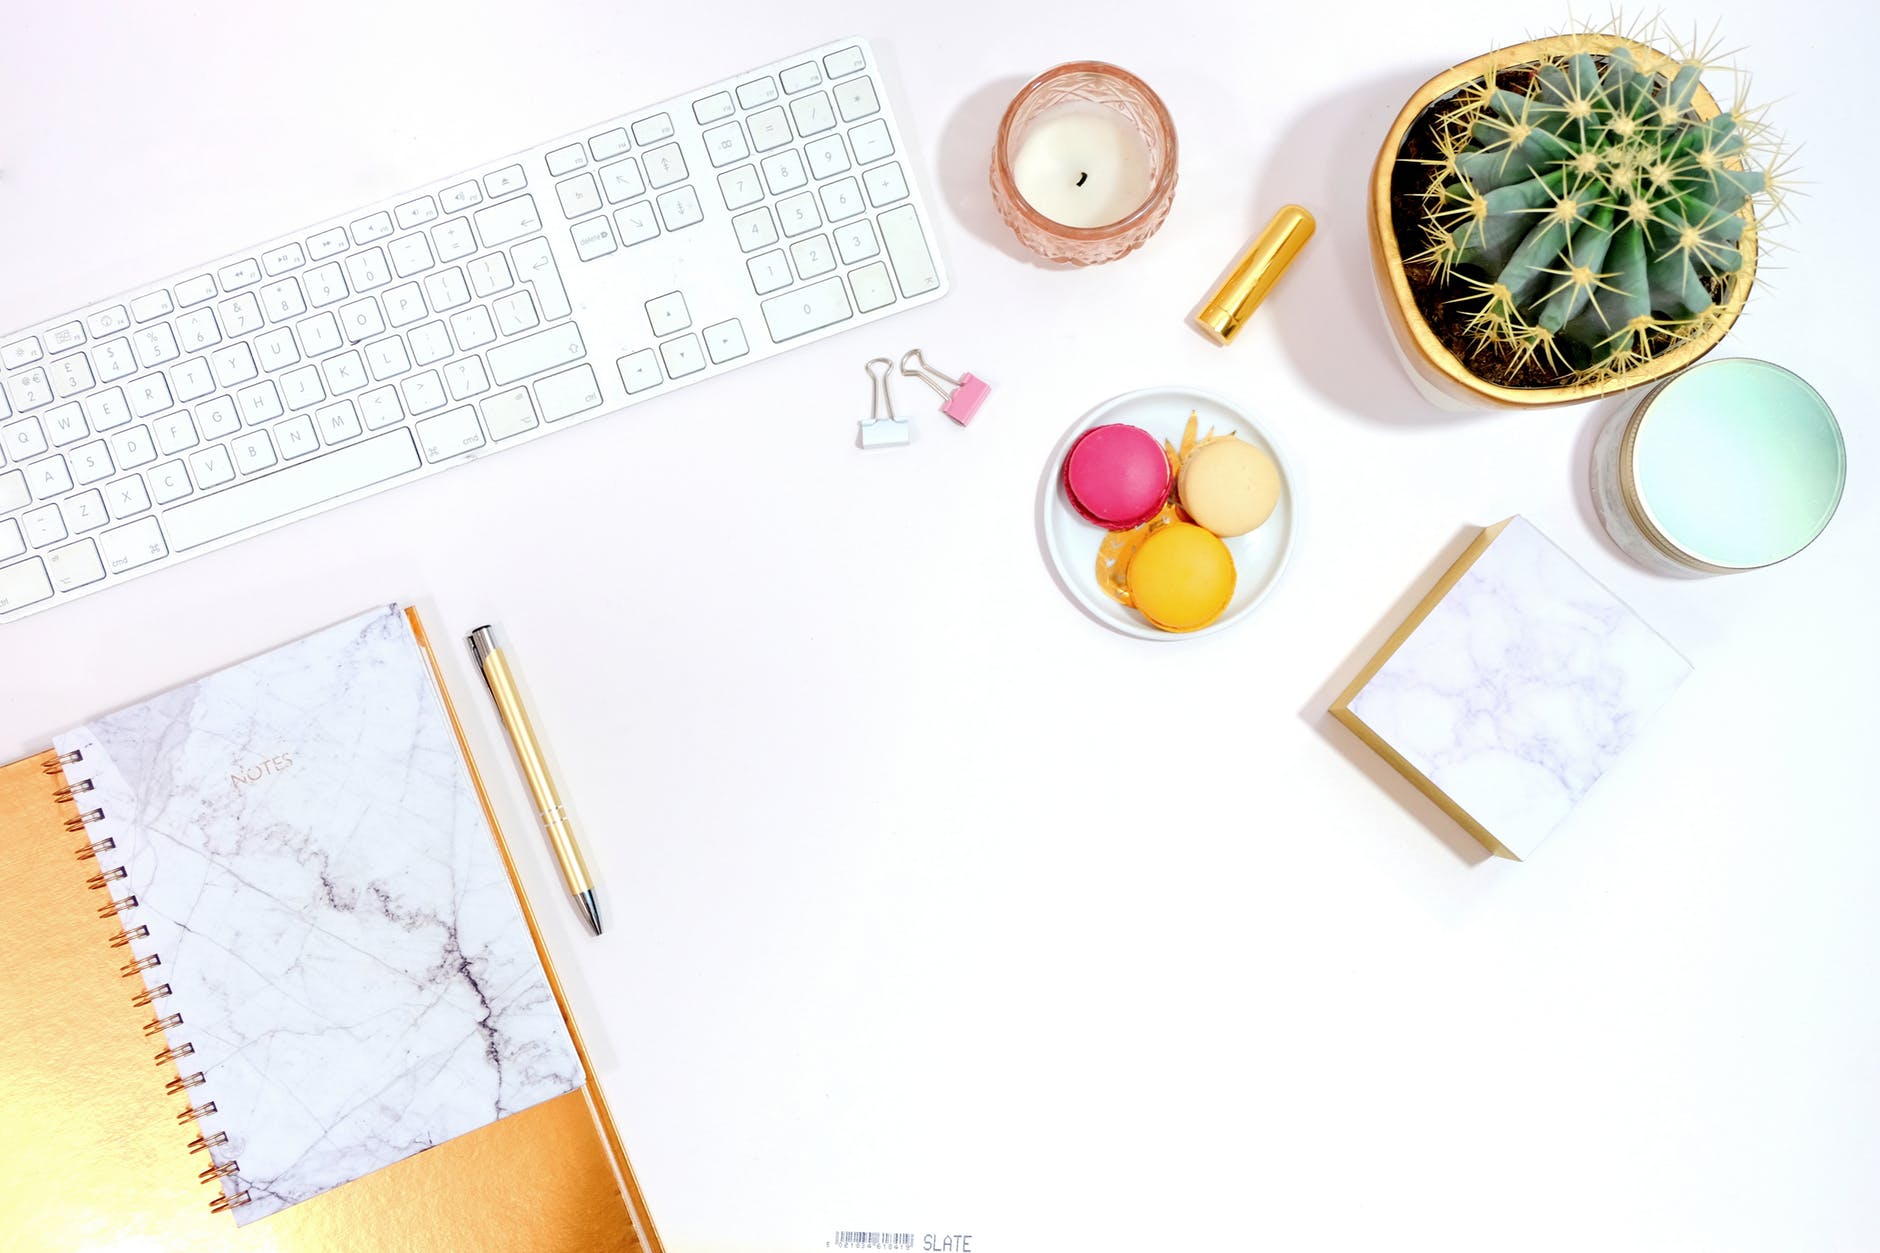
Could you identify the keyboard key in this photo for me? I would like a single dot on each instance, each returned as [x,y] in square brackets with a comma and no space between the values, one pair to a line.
[535,264]
[871,142]
[127,497]
[411,254]
[131,546]
[800,78]
[855,241]
[501,182]
[453,240]
[806,309]
[754,230]
[107,409]
[253,452]
[369,270]
[683,356]
[758,91]
[281,260]
[65,424]
[679,208]
[83,512]
[430,343]
[885,184]
[233,364]
[418,212]
[155,345]
[380,408]
[275,350]
[295,437]
[174,434]
[72,375]
[636,223]
[212,466]
[566,160]
[725,144]
[12,543]
[241,315]
[594,238]
[423,393]
[827,157]
[337,423]
[842,199]
[283,300]
[107,322]
[450,434]
[29,390]
[651,130]
[813,114]
[153,306]
[132,448]
[262,402]
[49,477]
[664,166]
[621,181]
[326,244]
[404,304]
[813,256]
[372,228]
[873,288]
[193,291]
[114,360]
[74,565]
[509,413]
[568,393]
[785,172]
[218,418]
[387,359]
[847,61]
[856,100]
[713,108]
[148,396]
[326,285]
[313,482]
[489,275]
[667,314]
[472,328]
[515,313]
[169,482]
[740,187]
[13,491]
[609,144]
[725,341]
[770,129]
[639,371]
[21,352]
[517,359]
[460,197]
[24,584]
[769,272]
[798,215]
[241,274]
[360,320]
[447,290]
[344,374]
[578,195]
[507,220]
[43,526]
[907,250]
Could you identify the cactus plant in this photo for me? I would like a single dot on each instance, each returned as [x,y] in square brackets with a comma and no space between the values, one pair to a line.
[1583,217]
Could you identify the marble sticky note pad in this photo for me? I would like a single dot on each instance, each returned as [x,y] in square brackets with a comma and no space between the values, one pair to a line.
[327,909]
[1512,688]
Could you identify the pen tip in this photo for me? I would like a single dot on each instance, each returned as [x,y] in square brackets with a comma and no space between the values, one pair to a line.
[593,910]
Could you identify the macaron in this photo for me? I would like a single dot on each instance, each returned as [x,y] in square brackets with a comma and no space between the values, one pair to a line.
[1117,476]
[1229,486]
[1181,578]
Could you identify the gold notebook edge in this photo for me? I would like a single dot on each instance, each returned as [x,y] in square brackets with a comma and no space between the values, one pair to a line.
[643,1224]
[1341,707]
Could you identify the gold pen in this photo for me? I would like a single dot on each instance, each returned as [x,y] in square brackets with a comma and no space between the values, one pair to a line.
[555,822]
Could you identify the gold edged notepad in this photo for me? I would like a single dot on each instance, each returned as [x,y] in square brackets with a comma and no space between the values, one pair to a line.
[101,1153]
[1511,688]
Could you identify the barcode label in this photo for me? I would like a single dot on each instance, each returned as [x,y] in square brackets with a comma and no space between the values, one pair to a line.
[874,1240]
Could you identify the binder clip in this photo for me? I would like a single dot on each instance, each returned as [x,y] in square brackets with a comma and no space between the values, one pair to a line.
[883,429]
[959,399]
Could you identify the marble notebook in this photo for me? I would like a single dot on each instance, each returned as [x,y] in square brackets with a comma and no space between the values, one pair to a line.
[1512,688]
[320,894]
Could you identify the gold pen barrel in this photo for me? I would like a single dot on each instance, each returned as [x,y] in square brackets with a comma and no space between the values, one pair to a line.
[1253,276]
[554,817]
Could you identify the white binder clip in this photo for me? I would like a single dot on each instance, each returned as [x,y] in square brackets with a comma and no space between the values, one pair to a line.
[883,429]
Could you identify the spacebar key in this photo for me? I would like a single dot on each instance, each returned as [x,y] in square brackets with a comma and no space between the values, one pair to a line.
[287,491]
[544,350]
[807,309]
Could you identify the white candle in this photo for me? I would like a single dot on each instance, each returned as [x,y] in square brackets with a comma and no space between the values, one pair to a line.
[1083,165]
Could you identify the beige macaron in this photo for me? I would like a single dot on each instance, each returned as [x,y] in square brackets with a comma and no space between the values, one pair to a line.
[1228,486]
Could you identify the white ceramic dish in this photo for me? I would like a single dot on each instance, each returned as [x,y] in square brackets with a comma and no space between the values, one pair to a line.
[1071,543]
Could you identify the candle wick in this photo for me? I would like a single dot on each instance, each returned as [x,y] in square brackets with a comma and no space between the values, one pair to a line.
[1081,177]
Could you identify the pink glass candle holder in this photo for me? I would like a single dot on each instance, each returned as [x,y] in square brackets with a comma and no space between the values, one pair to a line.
[1084,167]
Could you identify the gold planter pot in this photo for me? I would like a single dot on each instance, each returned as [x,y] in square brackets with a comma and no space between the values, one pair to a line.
[1437,371]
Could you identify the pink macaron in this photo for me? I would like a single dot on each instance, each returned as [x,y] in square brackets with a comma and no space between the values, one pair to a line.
[1117,476]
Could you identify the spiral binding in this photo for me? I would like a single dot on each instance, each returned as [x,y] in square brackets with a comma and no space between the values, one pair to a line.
[103,881]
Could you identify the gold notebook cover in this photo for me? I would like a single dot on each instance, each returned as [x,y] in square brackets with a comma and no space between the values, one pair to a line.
[95,1155]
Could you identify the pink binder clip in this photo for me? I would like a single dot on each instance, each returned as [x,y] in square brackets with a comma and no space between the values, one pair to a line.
[960,397]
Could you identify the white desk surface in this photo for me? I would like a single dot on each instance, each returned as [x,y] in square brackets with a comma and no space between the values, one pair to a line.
[935,907]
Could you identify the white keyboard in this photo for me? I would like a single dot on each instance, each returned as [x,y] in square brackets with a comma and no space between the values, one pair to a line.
[612,265]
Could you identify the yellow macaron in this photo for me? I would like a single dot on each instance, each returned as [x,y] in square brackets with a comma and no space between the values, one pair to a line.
[1181,578]
[1228,486]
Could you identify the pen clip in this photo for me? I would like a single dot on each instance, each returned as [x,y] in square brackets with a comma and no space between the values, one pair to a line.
[482,643]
